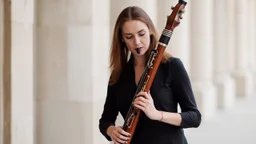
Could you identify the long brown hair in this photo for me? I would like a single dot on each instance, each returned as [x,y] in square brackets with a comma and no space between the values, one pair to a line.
[119,52]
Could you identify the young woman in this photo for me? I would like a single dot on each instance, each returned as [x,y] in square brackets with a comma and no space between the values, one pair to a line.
[134,38]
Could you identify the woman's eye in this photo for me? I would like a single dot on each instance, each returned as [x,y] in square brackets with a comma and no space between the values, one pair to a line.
[128,37]
[142,34]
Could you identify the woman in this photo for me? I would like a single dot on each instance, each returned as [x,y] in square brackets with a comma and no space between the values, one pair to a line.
[160,123]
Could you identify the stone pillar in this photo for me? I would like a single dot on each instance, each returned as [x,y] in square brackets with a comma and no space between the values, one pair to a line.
[71,70]
[22,72]
[243,77]
[180,42]
[1,71]
[99,63]
[252,43]
[202,57]
[6,72]
[231,35]
[224,83]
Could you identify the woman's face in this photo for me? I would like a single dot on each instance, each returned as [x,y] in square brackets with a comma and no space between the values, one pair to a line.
[136,36]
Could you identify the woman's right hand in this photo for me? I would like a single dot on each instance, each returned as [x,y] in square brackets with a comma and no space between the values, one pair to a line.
[118,135]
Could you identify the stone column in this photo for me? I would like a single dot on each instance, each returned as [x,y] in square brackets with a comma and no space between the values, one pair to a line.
[224,83]
[22,72]
[243,77]
[71,70]
[1,71]
[6,72]
[100,24]
[179,45]
[252,43]
[202,57]
[231,35]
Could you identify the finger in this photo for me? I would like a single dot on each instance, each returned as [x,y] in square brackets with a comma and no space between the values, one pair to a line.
[123,132]
[139,107]
[118,139]
[148,96]
[123,138]
[145,95]
[143,99]
[119,135]
[115,135]
[141,103]
[114,141]
[141,94]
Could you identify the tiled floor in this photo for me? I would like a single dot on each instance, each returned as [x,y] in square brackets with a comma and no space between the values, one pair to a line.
[233,126]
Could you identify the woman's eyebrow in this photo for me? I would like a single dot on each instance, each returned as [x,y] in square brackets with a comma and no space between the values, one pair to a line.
[141,31]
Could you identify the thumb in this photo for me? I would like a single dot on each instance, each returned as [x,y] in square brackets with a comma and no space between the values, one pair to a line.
[149,94]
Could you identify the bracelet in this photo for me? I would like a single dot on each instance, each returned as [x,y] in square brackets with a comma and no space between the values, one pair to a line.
[162,116]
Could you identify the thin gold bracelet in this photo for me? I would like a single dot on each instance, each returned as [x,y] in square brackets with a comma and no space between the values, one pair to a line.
[162,116]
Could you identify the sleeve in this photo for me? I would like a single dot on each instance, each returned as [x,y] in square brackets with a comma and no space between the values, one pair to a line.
[191,116]
[109,114]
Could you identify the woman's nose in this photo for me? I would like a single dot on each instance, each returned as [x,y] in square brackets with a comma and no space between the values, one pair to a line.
[137,41]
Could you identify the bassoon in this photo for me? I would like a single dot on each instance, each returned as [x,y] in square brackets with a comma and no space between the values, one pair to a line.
[173,20]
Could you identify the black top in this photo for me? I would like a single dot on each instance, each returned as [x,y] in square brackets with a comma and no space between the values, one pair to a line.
[170,87]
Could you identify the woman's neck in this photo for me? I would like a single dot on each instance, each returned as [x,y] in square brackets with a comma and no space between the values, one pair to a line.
[139,61]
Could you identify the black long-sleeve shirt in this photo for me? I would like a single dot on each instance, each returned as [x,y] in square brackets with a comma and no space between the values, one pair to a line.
[170,87]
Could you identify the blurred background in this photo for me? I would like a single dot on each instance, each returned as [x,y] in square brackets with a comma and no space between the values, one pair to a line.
[54,57]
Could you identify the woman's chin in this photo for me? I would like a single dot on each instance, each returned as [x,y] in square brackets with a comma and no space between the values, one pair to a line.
[139,54]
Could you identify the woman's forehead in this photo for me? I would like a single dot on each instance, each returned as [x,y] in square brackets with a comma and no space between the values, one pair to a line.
[134,26]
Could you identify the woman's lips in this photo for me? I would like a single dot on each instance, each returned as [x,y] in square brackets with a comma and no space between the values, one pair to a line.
[138,50]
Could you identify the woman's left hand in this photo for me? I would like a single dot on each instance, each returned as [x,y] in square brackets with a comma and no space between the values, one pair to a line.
[145,102]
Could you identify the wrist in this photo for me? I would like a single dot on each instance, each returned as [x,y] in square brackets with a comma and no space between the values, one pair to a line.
[109,130]
[160,115]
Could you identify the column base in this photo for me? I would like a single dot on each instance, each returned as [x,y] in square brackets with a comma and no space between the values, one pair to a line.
[225,90]
[243,83]
[205,95]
